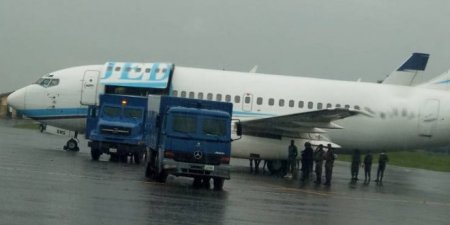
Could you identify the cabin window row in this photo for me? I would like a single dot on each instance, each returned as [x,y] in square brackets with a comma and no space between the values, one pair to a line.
[260,100]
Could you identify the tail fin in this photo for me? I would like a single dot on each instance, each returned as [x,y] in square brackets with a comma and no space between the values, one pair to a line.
[407,72]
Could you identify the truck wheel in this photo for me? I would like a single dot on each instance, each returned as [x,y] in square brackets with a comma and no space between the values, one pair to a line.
[162,178]
[206,183]
[123,158]
[277,166]
[197,183]
[113,157]
[149,172]
[95,154]
[137,157]
[218,183]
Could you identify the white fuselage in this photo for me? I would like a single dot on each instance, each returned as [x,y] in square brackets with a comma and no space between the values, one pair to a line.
[398,117]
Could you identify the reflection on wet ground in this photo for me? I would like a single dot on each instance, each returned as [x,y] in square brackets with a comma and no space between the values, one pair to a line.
[42,184]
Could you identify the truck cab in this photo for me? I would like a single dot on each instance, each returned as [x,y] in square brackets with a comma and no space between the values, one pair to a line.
[116,127]
[189,137]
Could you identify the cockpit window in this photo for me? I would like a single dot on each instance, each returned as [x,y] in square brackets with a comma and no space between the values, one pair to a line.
[47,82]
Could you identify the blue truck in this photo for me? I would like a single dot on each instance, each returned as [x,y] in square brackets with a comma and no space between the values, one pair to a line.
[189,137]
[117,127]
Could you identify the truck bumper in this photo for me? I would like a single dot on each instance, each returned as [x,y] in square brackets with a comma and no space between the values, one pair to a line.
[195,169]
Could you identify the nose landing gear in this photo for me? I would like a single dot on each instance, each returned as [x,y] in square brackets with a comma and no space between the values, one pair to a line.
[72,144]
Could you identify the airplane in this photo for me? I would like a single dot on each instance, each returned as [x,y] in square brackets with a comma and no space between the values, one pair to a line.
[273,109]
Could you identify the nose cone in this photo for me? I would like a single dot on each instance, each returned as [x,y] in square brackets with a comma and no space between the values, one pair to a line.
[17,99]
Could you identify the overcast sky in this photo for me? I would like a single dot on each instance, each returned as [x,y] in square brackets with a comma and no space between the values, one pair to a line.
[335,39]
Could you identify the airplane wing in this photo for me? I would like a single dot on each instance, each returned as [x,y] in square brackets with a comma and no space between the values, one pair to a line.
[307,125]
[407,72]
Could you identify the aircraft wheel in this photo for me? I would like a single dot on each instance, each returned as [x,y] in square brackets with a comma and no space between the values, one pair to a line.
[218,183]
[95,154]
[277,166]
[71,145]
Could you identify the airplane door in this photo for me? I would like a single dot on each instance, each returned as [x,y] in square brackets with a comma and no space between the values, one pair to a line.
[89,87]
[247,102]
[428,117]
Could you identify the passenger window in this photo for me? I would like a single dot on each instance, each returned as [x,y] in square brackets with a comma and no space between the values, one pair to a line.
[237,99]
[319,105]
[157,70]
[117,68]
[228,98]
[329,105]
[175,93]
[338,105]
[110,68]
[191,94]
[138,69]
[271,101]
[310,105]
[128,69]
[200,95]
[147,70]
[357,107]
[347,106]
[247,100]
[183,94]
[301,104]
[291,103]
[218,97]
[209,96]
[259,101]
[281,102]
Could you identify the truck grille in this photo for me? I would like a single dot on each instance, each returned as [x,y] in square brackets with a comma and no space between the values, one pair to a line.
[189,158]
[115,130]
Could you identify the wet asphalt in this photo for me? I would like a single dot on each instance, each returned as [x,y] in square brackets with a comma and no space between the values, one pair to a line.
[42,184]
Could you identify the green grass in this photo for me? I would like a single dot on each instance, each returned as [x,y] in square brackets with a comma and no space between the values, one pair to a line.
[414,159]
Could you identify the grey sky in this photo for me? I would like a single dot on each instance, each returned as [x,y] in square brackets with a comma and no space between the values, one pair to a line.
[339,39]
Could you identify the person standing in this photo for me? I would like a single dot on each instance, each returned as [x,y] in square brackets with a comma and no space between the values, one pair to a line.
[367,167]
[329,161]
[318,158]
[382,160]
[307,160]
[292,158]
[356,162]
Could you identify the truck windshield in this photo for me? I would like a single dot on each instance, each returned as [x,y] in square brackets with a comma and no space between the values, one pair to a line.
[214,126]
[184,123]
[111,111]
[133,113]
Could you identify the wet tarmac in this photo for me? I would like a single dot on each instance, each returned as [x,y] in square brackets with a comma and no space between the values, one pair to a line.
[42,184]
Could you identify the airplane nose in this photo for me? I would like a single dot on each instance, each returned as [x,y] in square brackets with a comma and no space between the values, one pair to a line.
[17,99]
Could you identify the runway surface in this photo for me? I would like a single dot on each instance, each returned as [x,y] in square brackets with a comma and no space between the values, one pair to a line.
[42,184]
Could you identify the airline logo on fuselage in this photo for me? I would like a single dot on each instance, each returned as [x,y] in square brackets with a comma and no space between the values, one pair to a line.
[146,75]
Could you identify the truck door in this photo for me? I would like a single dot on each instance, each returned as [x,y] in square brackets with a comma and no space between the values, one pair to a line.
[247,102]
[428,117]
[89,87]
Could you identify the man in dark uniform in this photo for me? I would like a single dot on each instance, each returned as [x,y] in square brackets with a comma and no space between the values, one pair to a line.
[367,167]
[382,160]
[307,160]
[318,159]
[356,161]
[292,158]
[329,161]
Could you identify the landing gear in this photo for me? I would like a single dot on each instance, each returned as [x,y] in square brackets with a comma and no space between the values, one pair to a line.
[277,166]
[72,144]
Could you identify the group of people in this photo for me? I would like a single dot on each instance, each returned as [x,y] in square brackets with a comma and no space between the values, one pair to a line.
[309,157]
[367,164]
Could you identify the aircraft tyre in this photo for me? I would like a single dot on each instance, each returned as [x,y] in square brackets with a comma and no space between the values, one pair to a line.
[218,183]
[72,145]
[95,154]
[277,166]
